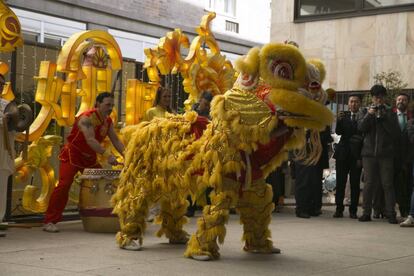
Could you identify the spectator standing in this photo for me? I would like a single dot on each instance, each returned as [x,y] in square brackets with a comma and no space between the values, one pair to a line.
[402,162]
[202,107]
[348,157]
[161,105]
[380,129]
[409,222]
[160,108]
[6,154]
[308,183]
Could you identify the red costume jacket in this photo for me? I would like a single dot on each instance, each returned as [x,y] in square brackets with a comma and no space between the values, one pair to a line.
[77,151]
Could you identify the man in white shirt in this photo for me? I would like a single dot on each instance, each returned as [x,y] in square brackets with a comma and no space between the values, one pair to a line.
[6,153]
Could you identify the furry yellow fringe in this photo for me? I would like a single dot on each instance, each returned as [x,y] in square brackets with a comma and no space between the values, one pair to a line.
[250,63]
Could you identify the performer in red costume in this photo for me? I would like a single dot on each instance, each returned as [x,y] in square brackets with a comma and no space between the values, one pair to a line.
[83,143]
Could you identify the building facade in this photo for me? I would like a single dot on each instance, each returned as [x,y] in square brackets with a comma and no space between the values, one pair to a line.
[356,39]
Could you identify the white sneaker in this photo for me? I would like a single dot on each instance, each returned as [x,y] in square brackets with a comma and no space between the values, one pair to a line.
[153,212]
[50,227]
[409,222]
[203,258]
[133,245]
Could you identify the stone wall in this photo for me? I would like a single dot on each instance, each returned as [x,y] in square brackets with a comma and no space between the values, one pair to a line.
[353,49]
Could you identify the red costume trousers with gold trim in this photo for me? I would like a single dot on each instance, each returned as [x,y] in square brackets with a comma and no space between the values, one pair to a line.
[60,194]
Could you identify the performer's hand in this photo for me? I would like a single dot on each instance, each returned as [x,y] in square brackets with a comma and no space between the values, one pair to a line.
[112,160]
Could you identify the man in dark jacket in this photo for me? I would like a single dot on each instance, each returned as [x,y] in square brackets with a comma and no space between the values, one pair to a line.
[409,222]
[380,128]
[402,163]
[348,157]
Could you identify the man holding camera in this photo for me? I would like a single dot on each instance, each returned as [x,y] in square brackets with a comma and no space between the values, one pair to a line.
[348,156]
[380,129]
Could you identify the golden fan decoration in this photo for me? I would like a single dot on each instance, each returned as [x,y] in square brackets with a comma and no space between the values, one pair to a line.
[204,68]
[100,58]
[10,29]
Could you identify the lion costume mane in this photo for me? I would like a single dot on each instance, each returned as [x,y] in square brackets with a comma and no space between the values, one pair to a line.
[253,127]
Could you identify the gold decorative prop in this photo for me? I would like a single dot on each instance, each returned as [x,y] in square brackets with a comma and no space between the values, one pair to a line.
[7,92]
[39,154]
[10,30]
[204,68]
[139,98]
[58,99]
[58,96]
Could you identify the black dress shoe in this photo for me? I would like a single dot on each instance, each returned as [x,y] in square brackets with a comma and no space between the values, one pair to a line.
[353,216]
[190,213]
[302,215]
[378,216]
[393,220]
[338,214]
[316,213]
[365,218]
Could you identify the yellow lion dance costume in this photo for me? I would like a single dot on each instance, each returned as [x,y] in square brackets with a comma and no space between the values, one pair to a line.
[245,141]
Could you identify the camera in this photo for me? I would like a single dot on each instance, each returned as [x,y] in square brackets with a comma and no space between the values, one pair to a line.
[379,110]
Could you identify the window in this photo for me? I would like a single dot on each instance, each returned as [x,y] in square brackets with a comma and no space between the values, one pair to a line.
[369,4]
[307,10]
[311,7]
[227,7]
[232,26]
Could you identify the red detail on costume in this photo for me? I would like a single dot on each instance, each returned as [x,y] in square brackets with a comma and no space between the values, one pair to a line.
[77,151]
[75,156]
[262,156]
[262,92]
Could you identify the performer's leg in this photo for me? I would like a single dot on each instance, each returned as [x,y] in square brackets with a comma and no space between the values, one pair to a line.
[172,218]
[132,209]
[60,194]
[203,244]
[255,208]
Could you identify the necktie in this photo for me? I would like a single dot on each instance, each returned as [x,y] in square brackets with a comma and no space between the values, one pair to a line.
[353,117]
[402,120]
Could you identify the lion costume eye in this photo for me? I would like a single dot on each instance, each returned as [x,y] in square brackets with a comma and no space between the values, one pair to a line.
[281,69]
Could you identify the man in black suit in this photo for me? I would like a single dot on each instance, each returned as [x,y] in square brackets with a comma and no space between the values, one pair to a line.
[348,157]
[402,162]
[308,183]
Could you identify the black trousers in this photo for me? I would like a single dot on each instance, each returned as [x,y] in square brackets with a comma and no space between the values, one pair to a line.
[344,168]
[277,180]
[403,187]
[379,172]
[308,188]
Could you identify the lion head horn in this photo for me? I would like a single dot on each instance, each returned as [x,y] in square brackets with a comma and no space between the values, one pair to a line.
[249,64]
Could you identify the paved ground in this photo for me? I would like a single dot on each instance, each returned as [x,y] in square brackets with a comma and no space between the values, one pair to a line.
[316,246]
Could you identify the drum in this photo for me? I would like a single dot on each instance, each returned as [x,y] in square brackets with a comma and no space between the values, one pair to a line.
[97,188]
